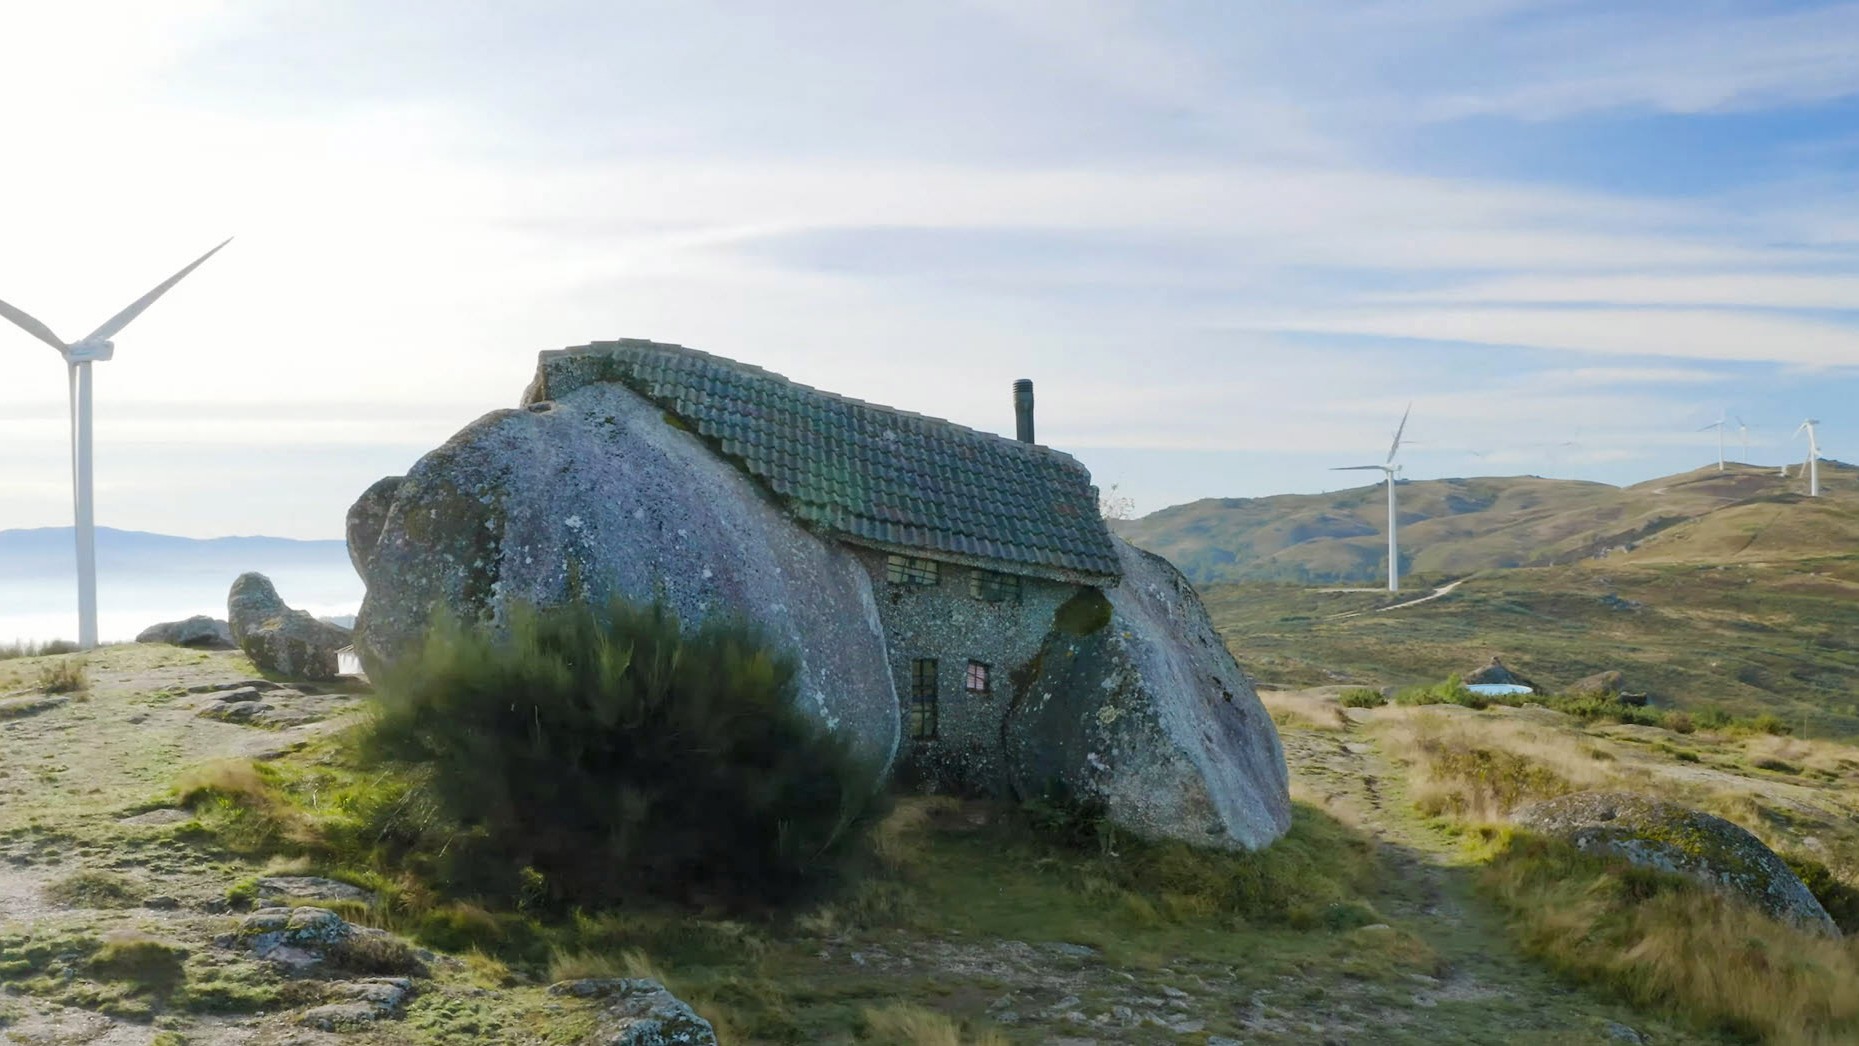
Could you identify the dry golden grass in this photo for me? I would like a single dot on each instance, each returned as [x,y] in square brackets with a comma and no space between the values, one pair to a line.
[1314,709]
[1673,946]
[583,965]
[1479,767]
[67,675]
[901,1024]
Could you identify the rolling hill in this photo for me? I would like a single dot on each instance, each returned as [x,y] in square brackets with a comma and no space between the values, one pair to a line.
[1452,527]
[1728,590]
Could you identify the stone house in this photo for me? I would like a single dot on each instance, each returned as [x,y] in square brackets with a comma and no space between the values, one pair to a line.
[973,541]
[957,607]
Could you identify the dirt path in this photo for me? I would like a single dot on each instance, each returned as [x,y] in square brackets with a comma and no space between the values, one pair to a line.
[1432,892]
[1443,590]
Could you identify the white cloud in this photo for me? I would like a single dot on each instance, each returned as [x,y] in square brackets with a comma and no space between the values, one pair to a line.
[1133,215]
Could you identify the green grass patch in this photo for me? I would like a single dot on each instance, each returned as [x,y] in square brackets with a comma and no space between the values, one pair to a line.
[94,889]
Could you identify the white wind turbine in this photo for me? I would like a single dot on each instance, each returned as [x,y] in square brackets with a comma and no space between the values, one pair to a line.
[79,355]
[1719,424]
[1813,457]
[1390,468]
[1742,435]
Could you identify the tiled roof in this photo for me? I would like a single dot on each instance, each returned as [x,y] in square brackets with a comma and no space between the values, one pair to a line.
[868,474]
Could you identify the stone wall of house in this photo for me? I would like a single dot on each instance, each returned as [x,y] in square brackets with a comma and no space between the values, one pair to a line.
[946,622]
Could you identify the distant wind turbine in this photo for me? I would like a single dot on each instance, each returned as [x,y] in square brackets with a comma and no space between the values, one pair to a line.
[1390,469]
[1722,420]
[79,355]
[1742,435]
[1813,457]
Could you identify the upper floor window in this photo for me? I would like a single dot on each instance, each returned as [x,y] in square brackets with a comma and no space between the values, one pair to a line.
[994,588]
[911,570]
[978,679]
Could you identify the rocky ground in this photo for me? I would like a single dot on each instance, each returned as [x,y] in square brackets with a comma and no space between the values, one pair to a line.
[122,925]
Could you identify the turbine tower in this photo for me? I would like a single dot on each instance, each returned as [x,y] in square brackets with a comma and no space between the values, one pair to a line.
[1722,420]
[1813,457]
[79,355]
[1390,469]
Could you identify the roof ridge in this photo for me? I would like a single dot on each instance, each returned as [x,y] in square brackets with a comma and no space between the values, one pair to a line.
[824,393]
[869,473]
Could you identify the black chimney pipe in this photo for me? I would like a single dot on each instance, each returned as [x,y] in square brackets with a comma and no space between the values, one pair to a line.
[1023,409]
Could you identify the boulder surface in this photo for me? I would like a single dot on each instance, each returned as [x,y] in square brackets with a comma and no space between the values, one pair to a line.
[638,1011]
[594,496]
[1670,838]
[200,631]
[1141,707]
[278,639]
[1600,684]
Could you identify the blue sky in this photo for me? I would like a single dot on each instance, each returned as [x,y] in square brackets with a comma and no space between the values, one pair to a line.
[1230,241]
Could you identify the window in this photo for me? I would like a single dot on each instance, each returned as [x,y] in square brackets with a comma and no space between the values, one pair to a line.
[978,679]
[994,588]
[923,698]
[909,570]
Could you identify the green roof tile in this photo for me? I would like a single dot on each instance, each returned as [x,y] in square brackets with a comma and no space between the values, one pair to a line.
[869,474]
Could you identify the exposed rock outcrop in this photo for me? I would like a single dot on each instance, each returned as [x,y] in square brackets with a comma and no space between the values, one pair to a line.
[200,631]
[1140,706]
[1670,838]
[277,638]
[596,496]
[638,1011]
[1600,684]
[367,518]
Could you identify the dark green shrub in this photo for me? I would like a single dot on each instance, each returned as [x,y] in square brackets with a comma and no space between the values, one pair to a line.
[1840,900]
[1082,614]
[1450,692]
[1362,697]
[585,756]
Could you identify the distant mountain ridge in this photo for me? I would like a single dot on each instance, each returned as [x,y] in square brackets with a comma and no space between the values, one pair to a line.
[49,552]
[1458,526]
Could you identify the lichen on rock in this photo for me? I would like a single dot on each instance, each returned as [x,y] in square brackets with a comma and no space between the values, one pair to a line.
[1666,837]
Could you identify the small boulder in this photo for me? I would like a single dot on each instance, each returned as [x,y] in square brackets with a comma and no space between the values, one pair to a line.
[274,888]
[279,639]
[199,631]
[639,1011]
[1601,684]
[364,1002]
[1670,838]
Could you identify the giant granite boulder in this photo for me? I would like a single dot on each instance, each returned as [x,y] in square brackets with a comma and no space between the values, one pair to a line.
[1670,838]
[278,639]
[1136,703]
[595,496]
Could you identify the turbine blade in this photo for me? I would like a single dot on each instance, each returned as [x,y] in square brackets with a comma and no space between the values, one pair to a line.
[31,326]
[1360,468]
[1712,425]
[122,319]
[1396,445]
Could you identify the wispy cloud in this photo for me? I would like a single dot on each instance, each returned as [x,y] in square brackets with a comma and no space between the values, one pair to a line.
[1200,225]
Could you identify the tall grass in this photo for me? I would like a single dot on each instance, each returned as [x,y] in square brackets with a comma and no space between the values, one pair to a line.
[1483,769]
[29,648]
[67,675]
[1666,944]
[902,1024]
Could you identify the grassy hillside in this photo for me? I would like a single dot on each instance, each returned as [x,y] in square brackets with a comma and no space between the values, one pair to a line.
[1457,526]
[1748,636]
